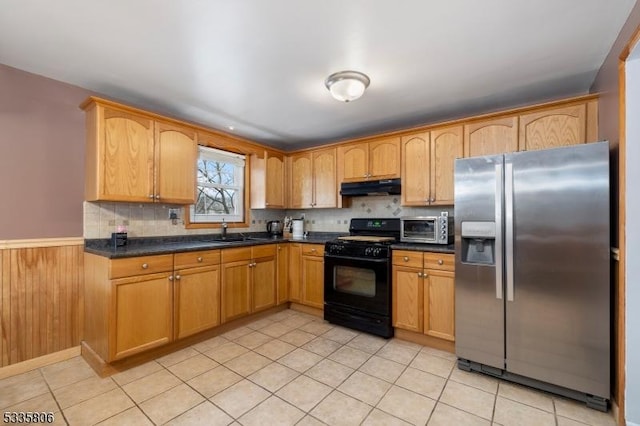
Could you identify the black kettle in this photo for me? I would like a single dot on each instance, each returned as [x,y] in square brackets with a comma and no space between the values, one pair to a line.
[275,227]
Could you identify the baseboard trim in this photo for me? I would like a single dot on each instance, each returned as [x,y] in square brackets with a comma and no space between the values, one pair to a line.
[307,309]
[424,340]
[41,361]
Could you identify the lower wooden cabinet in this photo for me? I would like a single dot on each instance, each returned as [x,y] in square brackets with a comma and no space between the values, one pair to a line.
[295,272]
[306,274]
[282,274]
[138,303]
[248,280]
[423,293]
[141,314]
[313,275]
[197,300]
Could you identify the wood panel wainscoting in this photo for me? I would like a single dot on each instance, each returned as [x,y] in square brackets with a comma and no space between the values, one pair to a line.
[41,299]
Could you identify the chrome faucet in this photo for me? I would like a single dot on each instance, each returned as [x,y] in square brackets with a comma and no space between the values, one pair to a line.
[223,230]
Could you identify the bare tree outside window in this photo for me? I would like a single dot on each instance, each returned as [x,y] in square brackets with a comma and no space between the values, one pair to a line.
[220,187]
[215,199]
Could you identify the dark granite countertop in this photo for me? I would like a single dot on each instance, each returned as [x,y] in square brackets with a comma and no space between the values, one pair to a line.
[145,246]
[437,248]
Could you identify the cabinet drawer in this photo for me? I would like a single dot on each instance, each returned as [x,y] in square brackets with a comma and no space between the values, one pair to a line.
[411,259]
[140,265]
[196,258]
[312,250]
[235,254]
[445,262]
[266,250]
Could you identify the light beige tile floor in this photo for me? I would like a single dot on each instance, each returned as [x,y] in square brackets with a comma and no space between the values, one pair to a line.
[290,369]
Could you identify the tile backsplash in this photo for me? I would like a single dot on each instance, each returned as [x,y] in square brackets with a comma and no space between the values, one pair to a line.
[150,220]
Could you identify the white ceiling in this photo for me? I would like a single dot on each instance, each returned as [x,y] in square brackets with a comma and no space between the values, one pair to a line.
[260,65]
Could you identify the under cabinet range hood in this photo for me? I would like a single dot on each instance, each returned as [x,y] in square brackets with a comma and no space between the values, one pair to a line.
[371,187]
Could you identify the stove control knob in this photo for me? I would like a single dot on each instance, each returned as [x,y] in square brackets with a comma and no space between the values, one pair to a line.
[376,252]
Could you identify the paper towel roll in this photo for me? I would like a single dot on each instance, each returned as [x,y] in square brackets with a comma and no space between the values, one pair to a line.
[298,228]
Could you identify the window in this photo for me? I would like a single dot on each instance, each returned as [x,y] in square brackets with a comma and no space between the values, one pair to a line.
[219,187]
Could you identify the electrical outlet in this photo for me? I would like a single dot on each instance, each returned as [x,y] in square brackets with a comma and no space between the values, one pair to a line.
[173,214]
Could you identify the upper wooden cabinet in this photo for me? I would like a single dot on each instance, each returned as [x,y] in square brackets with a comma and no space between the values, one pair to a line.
[553,128]
[428,165]
[132,157]
[268,181]
[313,179]
[376,159]
[489,137]
[176,154]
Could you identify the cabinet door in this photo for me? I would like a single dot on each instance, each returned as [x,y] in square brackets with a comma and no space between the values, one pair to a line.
[384,158]
[313,281]
[325,187]
[446,146]
[301,193]
[439,303]
[142,308]
[553,128]
[197,300]
[274,181]
[175,165]
[415,166]
[407,294]
[283,274]
[235,293]
[263,283]
[491,137]
[354,162]
[295,272]
[125,157]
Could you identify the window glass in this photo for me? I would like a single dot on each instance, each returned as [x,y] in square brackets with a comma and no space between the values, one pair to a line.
[220,187]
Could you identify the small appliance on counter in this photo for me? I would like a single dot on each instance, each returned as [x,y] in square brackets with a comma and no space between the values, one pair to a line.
[275,228]
[427,229]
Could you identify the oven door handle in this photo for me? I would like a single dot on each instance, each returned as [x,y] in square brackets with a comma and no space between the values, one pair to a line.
[359,259]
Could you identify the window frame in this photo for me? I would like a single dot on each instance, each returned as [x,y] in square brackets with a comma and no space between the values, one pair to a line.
[189,224]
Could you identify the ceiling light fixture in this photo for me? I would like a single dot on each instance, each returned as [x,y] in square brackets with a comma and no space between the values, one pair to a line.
[347,86]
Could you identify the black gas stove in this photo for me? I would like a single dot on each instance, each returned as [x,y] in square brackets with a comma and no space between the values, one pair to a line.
[367,238]
[357,286]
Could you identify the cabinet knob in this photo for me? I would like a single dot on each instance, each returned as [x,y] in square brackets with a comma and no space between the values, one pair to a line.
[365,175]
[313,250]
[145,265]
[178,277]
[255,264]
[440,261]
[266,204]
[157,196]
[420,274]
[406,258]
[279,247]
[170,277]
[151,196]
[199,259]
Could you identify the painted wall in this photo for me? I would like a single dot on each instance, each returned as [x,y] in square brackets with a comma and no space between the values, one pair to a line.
[633,240]
[41,156]
[607,84]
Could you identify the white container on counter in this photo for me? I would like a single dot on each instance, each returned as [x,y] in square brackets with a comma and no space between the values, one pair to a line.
[297,228]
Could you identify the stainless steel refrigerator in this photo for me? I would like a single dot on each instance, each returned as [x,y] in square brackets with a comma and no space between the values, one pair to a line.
[532,284]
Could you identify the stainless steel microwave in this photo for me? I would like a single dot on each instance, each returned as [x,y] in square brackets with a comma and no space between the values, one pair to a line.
[427,229]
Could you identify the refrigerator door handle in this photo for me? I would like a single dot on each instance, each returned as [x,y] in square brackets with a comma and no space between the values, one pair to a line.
[498,217]
[508,213]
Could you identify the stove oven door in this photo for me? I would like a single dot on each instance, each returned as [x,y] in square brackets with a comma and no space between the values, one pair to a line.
[359,283]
